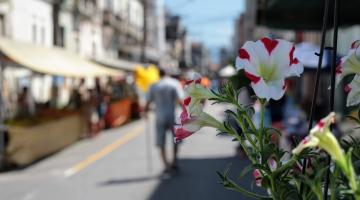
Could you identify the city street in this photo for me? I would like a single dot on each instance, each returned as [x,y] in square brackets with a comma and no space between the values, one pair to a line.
[115,165]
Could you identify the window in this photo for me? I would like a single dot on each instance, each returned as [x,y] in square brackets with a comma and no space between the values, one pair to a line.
[42,35]
[34,33]
[61,36]
[2,25]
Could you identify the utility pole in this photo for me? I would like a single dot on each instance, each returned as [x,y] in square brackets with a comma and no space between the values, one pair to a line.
[145,29]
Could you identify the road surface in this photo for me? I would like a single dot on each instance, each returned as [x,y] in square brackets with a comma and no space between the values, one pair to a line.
[114,166]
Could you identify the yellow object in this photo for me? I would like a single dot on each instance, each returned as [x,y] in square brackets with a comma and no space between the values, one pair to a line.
[145,77]
[53,61]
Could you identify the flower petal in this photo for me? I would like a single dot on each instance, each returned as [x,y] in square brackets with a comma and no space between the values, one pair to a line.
[184,116]
[272,164]
[305,143]
[269,44]
[254,79]
[355,44]
[353,97]
[258,177]
[272,90]
[276,89]
[243,63]
[181,133]
[283,58]
[350,63]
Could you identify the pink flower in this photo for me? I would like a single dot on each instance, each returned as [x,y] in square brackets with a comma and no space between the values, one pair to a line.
[258,177]
[267,63]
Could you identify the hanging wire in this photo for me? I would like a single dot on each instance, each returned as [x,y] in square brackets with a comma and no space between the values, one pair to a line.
[332,89]
[317,79]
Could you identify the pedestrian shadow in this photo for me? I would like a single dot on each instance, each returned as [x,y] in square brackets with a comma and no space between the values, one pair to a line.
[198,180]
[129,180]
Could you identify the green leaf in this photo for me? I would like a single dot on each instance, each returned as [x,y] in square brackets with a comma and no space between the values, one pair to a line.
[246,170]
[278,132]
[229,184]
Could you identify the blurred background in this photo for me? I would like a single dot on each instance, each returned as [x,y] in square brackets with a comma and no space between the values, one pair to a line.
[74,76]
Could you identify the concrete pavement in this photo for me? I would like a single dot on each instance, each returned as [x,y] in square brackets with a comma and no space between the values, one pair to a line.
[114,166]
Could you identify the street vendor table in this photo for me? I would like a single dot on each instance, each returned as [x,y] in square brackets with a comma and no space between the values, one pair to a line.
[30,143]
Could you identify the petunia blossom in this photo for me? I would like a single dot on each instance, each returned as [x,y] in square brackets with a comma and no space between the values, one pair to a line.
[349,64]
[353,88]
[321,136]
[267,63]
[192,117]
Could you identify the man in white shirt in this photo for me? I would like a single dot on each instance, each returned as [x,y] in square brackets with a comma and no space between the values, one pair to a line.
[165,94]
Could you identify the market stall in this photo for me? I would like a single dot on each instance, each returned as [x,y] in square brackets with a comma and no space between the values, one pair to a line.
[50,129]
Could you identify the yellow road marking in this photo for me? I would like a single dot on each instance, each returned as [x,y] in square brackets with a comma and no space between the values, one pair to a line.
[103,152]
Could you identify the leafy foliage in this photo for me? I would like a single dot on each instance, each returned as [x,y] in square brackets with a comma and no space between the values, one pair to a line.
[282,179]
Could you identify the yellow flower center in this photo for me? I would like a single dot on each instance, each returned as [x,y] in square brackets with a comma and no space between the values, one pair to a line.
[268,73]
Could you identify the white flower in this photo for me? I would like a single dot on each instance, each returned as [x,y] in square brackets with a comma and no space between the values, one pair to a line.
[267,63]
[349,64]
[353,88]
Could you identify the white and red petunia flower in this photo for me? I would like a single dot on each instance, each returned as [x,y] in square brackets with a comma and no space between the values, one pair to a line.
[353,90]
[192,117]
[321,136]
[349,64]
[267,63]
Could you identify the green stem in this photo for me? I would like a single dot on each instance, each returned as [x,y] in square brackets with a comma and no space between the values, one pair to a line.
[245,192]
[262,116]
[242,126]
[352,182]
[247,118]
[243,145]
[273,191]
[286,166]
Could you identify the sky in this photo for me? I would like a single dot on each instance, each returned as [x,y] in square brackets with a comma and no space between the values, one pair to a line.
[208,21]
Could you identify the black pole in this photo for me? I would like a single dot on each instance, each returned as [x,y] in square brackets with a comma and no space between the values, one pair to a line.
[317,79]
[332,89]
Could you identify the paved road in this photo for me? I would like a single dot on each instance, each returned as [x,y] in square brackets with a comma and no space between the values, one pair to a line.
[114,166]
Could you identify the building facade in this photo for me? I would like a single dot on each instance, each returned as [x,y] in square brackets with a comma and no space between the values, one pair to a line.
[27,21]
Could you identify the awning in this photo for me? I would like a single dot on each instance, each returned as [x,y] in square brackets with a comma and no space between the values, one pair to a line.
[304,14]
[118,64]
[53,61]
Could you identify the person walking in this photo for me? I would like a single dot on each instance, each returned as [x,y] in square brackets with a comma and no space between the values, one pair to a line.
[165,94]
